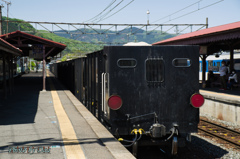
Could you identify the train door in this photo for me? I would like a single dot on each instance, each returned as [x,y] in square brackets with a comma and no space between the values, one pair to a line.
[217,64]
[103,86]
[210,66]
[105,95]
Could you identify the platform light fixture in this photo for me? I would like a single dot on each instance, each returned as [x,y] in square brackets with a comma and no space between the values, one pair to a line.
[148,16]
[218,53]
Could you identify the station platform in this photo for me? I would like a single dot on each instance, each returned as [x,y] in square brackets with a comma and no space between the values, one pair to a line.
[52,124]
[221,104]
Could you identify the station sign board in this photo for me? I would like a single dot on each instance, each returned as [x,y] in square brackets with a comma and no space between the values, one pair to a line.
[37,52]
[203,50]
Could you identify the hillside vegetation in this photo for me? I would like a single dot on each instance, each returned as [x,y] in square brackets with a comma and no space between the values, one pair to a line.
[79,45]
[74,48]
[114,38]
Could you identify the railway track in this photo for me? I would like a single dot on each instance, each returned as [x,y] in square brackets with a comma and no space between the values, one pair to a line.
[222,135]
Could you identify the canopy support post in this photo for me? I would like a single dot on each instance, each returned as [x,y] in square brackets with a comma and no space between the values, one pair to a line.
[44,72]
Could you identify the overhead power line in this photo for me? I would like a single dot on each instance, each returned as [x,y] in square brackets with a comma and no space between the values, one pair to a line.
[194,11]
[116,12]
[102,11]
[110,10]
[177,11]
[188,12]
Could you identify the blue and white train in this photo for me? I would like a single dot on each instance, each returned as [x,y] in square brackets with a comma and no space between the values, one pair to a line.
[213,63]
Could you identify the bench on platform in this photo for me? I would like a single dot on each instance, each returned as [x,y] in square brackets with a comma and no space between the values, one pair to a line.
[238,78]
[217,81]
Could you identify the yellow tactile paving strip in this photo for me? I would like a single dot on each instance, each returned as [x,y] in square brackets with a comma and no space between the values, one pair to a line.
[72,147]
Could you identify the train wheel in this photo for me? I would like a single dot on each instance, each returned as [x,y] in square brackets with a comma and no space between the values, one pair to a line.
[135,149]
[174,145]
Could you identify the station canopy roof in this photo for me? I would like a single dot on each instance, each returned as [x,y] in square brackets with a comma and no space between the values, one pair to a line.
[9,48]
[25,41]
[215,38]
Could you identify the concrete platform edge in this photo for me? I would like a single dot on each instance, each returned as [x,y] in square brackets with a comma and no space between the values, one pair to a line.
[221,106]
[231,99]
[116,148]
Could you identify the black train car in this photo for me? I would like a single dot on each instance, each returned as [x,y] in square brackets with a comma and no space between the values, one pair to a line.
[143,94]
[150,88]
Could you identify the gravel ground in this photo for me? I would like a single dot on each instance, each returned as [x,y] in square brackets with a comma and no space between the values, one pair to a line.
[213,148]
[225,123]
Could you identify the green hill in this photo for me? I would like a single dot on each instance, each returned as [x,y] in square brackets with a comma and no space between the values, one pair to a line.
[15,26]
[114,38]
[74,48]
[86,43]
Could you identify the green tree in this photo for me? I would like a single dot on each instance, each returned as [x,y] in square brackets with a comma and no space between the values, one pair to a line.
[14,26]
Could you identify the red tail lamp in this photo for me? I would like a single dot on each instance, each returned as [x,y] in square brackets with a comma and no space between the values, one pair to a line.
[115,102]
[197,100]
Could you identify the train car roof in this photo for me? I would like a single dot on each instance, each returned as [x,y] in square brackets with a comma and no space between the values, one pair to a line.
[223,57]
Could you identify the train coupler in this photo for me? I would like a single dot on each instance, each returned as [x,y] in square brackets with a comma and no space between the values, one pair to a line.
[157,130]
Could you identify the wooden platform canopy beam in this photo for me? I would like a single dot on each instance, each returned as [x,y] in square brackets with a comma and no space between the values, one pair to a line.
[28,43]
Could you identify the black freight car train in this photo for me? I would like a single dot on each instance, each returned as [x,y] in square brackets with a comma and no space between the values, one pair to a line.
[142,94]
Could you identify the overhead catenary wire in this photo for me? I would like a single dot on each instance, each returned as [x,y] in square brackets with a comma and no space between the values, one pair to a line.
[194,11]
[102,11]
[101,17]
[188,12]
[116,12]
[177,11]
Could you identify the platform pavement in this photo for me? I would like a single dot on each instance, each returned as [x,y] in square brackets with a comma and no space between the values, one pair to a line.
[28,119]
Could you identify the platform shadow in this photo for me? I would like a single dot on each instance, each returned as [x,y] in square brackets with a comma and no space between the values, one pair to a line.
[21,106]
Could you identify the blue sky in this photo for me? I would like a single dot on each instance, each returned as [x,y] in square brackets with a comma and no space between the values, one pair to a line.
[78,11]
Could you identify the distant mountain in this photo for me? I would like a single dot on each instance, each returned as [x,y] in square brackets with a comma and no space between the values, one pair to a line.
[74,47]
[113,37]
[79,44]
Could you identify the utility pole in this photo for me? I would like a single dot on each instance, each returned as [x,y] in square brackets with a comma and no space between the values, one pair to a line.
[8,3]
[1,19]
[206,22]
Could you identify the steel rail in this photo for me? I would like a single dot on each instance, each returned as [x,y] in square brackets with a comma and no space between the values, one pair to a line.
[219,136]
[212,134]
[220,126]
